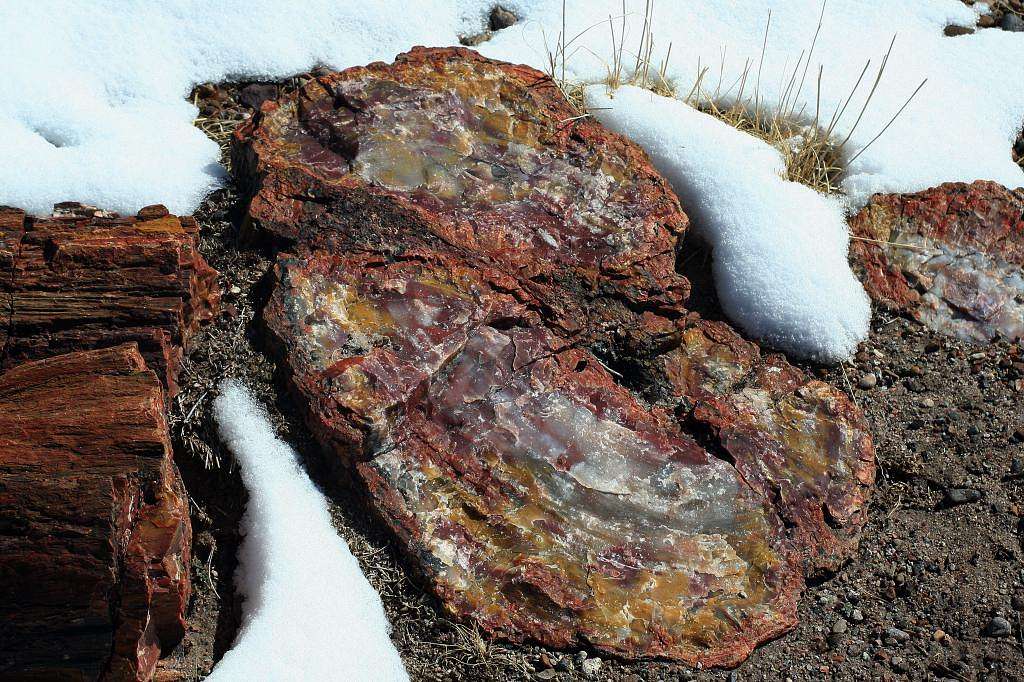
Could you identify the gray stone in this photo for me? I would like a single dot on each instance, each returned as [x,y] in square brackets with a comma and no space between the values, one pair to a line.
[591,666]
[955,496]
[896,634]
[1012,22]
[999,627]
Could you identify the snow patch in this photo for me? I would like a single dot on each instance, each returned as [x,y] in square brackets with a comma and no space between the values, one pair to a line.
[779,247]
[960,126]
[309,612]
[93,107]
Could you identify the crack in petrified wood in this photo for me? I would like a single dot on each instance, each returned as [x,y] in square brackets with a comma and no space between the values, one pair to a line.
[461,255]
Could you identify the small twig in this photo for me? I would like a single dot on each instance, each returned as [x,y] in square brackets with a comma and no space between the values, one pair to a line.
[197,403]
[209,572]
[913,247]
[894,117]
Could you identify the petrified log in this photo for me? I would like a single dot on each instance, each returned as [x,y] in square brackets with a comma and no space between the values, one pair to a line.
[94,525]
[951,256]
[467,257]
[88,279]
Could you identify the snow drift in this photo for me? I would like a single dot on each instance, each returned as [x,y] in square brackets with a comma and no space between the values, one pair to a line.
[94,107]
[779,247]
[309,612]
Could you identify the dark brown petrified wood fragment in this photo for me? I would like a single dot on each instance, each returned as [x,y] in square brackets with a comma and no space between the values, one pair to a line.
[951,256]
[94,525]
[86,279]
[480,315]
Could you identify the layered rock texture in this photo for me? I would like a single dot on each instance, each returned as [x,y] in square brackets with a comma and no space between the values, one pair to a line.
[951,256]
[479,311]
[94,525]
[85,279]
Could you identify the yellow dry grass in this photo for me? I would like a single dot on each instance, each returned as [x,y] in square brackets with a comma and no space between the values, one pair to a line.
[813,152]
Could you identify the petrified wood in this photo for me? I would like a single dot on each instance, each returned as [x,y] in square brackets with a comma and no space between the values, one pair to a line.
[480,314]
[798,441]
[86,279]
[94,525]
[951,256]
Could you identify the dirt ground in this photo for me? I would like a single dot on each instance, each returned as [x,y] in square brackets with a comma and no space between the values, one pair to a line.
[936,590]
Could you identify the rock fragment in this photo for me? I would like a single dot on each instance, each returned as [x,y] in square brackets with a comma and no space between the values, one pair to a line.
[800,442]
[95,540]
[998,627]
[500,18]
[85,278]
[951,256]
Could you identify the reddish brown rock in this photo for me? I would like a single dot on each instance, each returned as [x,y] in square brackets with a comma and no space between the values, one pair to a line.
[449,151]
[88,279]
[952,256]
[464,262]
[94,525]
[799,442]
[537,494]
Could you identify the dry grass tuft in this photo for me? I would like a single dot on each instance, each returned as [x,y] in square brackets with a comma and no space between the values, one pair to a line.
[219,127]
[813,153]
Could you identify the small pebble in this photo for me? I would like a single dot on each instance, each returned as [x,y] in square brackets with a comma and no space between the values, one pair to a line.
[916,386]
[840,627]
[897,635]
[548,674]
[857,616]
[1012,22]
[501,18]
[998,627]
[591,666]
[962,496]
[868,381]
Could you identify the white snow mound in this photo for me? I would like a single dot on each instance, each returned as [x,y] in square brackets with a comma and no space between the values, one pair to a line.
[93,105]
[959,127]
[309,612]
[779,247]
